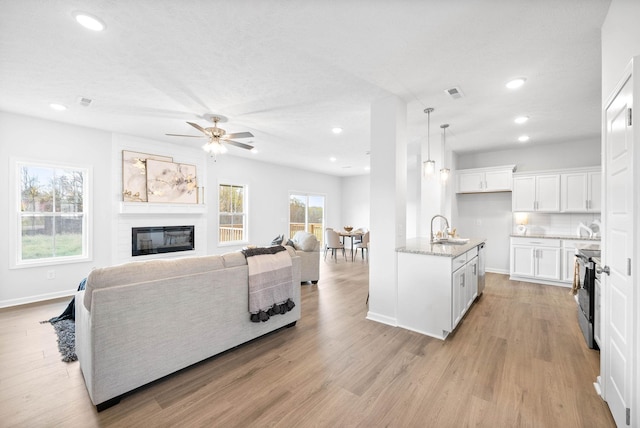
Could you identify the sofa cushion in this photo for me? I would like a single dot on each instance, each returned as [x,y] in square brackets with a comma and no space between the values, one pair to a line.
[305,241]
[150,270]
[234,259]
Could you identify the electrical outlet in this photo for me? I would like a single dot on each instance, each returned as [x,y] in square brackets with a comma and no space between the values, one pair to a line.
[51,274]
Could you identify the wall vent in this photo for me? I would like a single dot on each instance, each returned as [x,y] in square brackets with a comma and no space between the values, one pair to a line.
[85,102]
[454,92]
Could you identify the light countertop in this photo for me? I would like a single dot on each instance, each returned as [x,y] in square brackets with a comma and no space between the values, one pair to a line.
[424,246]
[573,238]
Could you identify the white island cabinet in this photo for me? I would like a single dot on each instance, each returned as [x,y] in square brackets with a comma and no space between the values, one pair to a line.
[437,284]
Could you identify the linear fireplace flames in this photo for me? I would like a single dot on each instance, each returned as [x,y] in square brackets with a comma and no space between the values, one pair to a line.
[162,239]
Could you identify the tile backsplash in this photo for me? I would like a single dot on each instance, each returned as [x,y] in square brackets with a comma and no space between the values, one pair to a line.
[555,224]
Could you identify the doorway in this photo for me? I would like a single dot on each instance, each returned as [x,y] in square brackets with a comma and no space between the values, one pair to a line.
[306,213]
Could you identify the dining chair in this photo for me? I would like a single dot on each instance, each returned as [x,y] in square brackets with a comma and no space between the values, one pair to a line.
[361,230]
[362,245]
[332,242]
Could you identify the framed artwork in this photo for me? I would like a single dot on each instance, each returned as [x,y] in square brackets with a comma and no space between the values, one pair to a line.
[170,182]
[134,175]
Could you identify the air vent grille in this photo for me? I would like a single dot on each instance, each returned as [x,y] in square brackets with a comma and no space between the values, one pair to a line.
[85,102]
[454,92]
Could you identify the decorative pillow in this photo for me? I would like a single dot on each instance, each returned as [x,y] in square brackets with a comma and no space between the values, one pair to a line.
[290,243]
[307,242]
[277,240]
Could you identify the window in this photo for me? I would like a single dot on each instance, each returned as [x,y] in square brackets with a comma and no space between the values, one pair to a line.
[52,215]
[232,226]
[306,212]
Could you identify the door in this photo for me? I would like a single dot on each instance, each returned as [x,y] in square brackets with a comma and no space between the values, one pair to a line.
[471,283]
[457,308]
[595,190]
[522,260]
[306,213]
[497,180]
[470,182]
[524,193]
[618,328]
[547,263]
[548,193]
[574,192]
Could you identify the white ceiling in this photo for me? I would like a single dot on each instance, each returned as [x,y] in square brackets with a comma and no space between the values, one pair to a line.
[289,71]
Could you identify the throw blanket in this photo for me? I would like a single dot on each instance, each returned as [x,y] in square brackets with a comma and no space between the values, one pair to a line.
[270,282]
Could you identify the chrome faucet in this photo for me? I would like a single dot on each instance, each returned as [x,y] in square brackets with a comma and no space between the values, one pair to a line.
[433,238]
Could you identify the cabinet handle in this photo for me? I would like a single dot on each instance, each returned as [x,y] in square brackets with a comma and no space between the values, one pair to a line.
[474,269]
[586,204]
[462,280]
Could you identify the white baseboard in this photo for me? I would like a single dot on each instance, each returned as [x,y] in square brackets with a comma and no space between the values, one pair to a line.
[382,319]
[38,298]
[500,271]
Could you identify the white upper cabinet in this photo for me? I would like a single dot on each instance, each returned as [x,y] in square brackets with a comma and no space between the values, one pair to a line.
[536,193]
[581,191]
[483,180]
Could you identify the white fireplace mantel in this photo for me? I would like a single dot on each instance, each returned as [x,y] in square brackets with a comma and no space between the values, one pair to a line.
[160,208]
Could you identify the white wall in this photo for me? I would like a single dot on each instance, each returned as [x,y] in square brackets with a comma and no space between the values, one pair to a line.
[269,188]
[41,140]
[570,154]
[620,41]
[489,215]
[355,202]
[28,138]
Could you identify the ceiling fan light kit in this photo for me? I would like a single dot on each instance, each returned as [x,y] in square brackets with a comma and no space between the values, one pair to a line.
[217,136]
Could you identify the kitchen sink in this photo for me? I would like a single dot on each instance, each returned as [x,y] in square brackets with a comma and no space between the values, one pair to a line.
[451,241]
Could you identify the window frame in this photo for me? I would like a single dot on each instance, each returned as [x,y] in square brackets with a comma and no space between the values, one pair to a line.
[307,196]
[244,214]
[16,215]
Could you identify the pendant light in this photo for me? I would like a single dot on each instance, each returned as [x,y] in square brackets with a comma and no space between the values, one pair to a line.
[444,172]
[429,166]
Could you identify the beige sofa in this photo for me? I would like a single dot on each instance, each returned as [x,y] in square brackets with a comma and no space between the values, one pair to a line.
[141,321]
[307,247]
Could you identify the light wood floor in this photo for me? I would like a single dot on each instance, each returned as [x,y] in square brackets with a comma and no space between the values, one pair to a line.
[517,360]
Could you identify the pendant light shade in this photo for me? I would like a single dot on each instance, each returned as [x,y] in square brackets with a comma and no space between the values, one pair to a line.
[428,166]
[444,172]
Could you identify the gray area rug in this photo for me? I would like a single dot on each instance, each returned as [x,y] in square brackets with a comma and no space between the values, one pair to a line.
[66,331]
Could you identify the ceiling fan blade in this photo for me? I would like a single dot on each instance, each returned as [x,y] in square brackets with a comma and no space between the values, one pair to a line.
[199,128]
[182,135]
[237,144]
[239,135]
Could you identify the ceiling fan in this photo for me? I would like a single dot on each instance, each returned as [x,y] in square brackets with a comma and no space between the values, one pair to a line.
[217,136]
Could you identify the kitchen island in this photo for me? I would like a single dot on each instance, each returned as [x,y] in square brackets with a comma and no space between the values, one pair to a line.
[437,284]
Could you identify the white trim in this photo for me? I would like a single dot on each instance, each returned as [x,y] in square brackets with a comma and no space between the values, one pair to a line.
[15,248]
[37,298]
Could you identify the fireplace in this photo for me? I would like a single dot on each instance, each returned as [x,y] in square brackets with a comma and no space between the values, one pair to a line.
[161,239]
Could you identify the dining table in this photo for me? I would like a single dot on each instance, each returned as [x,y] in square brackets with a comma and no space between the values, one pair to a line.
[353,234]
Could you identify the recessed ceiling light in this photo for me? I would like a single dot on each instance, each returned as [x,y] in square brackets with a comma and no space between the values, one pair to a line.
[521,119]
[58,107]
[332,159]
[336,130]
[367,168]
[254,151]
[516,83]
[89,21]
[523,138]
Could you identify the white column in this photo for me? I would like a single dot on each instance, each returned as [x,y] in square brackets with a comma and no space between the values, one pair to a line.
[388,205]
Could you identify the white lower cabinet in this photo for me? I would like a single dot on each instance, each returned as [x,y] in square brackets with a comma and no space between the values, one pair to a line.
[569,259]
[435,292]
[535,258]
